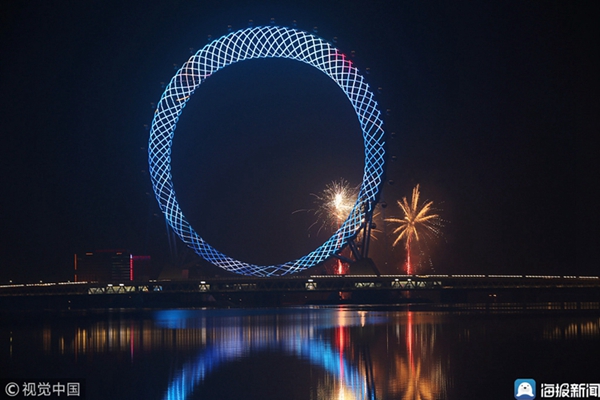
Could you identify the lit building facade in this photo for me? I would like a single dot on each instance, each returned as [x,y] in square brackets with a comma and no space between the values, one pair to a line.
[110,266]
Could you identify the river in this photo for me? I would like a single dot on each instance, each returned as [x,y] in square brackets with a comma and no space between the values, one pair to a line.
[328,352]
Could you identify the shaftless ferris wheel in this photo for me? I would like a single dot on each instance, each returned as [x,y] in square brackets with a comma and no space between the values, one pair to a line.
[259,43]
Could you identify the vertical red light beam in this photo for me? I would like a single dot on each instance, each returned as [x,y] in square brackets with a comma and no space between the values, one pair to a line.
[131,267]
[75,261]
[408,266]
[409,343]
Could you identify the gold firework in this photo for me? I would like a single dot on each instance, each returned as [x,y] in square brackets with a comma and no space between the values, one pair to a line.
[335,203]
[418,219]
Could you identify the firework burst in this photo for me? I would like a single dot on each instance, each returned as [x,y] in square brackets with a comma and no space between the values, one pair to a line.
[418,220]
[335,203]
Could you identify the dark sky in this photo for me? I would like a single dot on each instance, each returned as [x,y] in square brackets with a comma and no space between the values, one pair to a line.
[486,101]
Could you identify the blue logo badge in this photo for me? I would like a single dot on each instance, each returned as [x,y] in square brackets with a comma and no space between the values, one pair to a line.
[524,389]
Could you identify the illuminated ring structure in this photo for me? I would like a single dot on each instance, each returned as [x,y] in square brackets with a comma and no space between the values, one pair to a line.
[258,43]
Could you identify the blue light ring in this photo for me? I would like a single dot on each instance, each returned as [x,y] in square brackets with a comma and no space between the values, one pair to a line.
[194,72]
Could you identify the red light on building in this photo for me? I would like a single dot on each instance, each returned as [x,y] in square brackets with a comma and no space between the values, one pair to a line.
[139,268]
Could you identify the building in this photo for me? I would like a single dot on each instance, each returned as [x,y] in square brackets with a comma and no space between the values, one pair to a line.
[110,266]
[141,268]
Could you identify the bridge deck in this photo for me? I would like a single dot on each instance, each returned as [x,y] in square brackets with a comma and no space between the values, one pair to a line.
[315,283]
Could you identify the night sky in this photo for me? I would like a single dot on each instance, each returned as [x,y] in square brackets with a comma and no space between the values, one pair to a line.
[485,100]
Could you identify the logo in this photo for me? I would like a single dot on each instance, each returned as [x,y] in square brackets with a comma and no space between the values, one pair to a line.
[11,389]
[524,389]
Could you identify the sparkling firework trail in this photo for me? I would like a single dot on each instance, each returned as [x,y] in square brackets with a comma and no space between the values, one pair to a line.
[335,203]
[418,219]
[333,207]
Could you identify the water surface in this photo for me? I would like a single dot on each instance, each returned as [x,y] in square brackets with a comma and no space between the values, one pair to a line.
[342,352]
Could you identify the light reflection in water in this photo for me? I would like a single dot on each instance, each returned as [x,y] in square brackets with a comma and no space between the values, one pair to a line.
[422,372]
[364,354]
[583,330]
[299,337]
[416,373]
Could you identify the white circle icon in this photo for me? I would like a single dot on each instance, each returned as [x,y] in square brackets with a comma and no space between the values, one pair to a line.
[11,389]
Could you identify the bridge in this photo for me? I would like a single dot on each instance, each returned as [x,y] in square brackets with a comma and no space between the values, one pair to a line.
[299,290]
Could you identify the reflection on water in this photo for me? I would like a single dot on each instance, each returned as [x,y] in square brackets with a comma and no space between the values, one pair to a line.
[424,375]
[570,331]
[337,353]
[322,338]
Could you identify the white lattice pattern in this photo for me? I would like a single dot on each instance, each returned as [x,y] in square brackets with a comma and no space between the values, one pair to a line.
[254,43]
